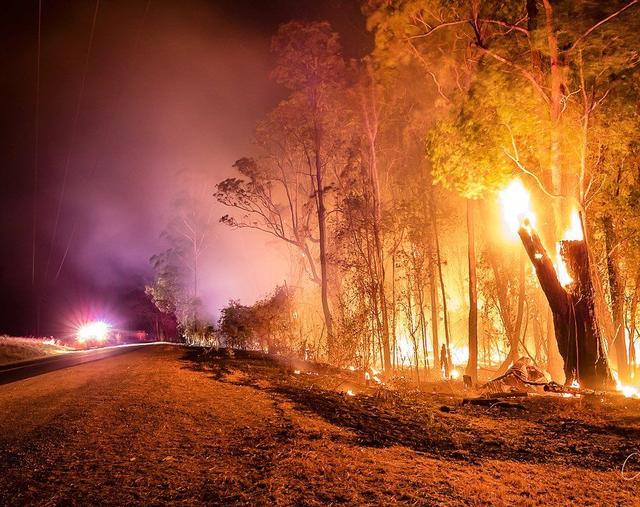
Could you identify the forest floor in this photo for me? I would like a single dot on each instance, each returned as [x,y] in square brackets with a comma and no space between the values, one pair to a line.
[169,425]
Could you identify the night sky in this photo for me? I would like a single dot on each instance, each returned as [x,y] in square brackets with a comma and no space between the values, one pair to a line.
[170,85]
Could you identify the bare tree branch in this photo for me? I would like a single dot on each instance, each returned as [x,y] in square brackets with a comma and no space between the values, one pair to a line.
[580,39]
[520,69]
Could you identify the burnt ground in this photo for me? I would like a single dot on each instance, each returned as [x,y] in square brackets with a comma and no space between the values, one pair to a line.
[168,425]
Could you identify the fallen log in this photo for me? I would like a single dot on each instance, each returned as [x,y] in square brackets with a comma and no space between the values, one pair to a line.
[577,332]
[553,387]
[493,402]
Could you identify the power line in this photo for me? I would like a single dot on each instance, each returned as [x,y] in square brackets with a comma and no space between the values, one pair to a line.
[73,136]
[108,136]
[36,149]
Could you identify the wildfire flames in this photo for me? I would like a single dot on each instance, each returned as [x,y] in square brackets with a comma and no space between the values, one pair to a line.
[628,391]
[625,390]
[516,206]
[561,269]
[573,233]
[373,376]
[517,213]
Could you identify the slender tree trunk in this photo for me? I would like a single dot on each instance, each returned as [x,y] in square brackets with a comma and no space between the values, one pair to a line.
[532,25]
[513,327]
[517,328]
[371,121]
[433,296]
[394,338]
[419,297]
[195,271]
[412,332]
[434,224]
[537,338]
[554,359]
[616,290]
[423,325]
[322,234]
[383,300]
[633,306]
[556,83]
[472,365]
[195,323]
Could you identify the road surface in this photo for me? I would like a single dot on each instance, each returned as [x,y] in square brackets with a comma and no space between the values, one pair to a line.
[152,427]
[25,369]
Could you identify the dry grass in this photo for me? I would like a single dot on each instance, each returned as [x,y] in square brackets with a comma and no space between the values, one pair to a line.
[15,349]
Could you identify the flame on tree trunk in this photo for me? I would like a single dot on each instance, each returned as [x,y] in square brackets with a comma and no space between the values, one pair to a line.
[574,318]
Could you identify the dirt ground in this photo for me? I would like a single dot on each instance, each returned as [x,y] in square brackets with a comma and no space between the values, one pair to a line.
[168,425]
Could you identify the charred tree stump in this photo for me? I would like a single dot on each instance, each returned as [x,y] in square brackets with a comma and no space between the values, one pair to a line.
[574,318]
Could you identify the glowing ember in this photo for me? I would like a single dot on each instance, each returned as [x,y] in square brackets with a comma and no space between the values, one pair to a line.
[98,330]
[574,385]
[516,206]
[349,392]
[296,372]
[352,368]
[561,269]
[573,233]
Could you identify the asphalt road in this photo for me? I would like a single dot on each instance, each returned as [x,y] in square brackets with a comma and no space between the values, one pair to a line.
[26,369]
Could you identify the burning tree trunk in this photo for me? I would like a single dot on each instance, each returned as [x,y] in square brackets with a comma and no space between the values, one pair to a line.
[574,318]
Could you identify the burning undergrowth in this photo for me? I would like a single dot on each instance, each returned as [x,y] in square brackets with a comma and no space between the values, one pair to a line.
[591,432]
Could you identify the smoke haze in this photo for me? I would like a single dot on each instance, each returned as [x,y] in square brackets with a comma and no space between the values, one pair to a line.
[169,86]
